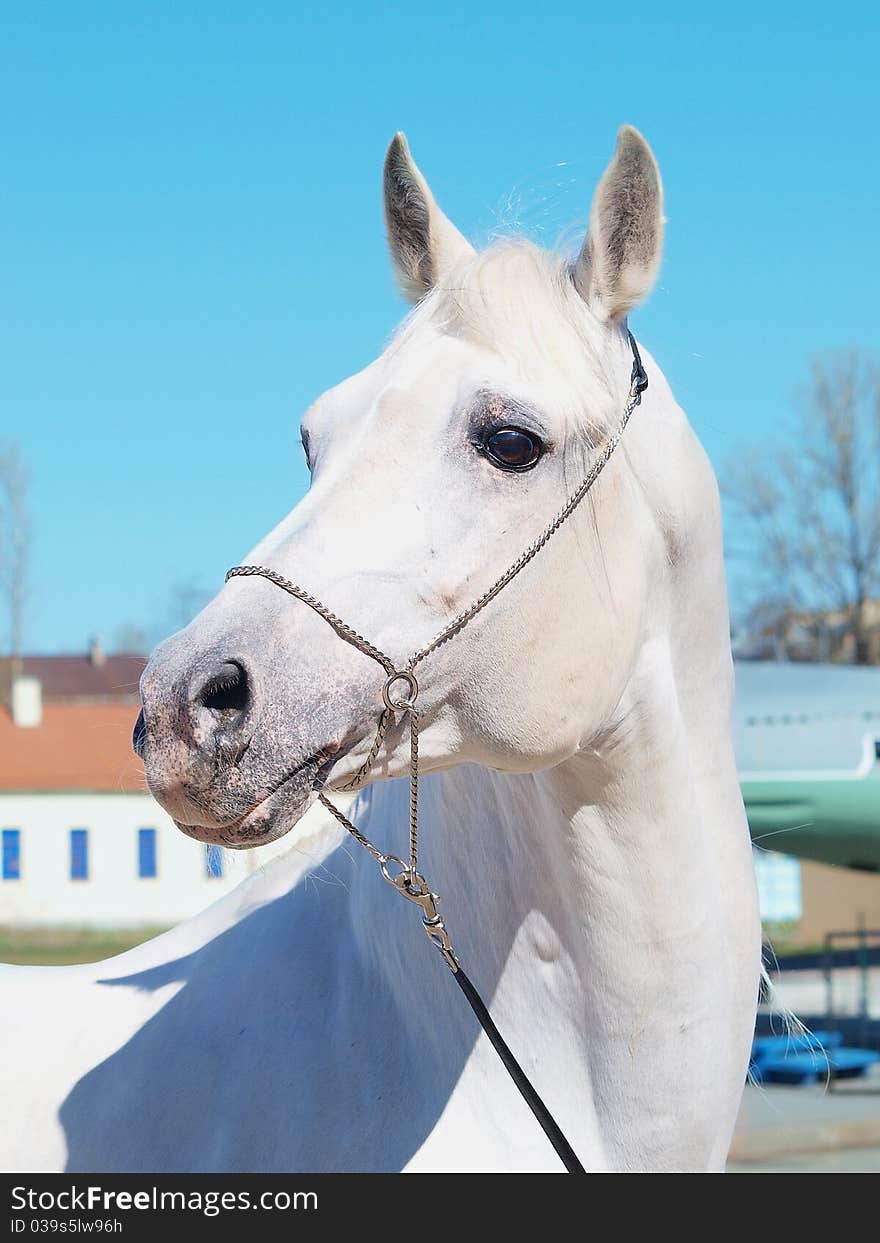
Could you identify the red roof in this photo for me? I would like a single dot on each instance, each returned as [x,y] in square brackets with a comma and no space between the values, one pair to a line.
[77,747]
[71,678]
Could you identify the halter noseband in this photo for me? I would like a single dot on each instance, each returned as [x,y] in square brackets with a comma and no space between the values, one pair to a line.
[405,876]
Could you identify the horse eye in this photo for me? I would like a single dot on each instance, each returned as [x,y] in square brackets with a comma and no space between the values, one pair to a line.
[511,448]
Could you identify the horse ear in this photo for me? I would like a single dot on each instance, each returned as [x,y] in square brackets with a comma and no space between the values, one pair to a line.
[424,244]
[621,255]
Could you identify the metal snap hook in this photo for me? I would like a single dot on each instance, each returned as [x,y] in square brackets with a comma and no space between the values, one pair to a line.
[401,705]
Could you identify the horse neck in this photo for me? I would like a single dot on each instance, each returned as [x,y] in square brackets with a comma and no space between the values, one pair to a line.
[624,811]
[604,908]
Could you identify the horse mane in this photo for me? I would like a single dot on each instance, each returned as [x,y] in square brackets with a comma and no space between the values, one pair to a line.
[519,302]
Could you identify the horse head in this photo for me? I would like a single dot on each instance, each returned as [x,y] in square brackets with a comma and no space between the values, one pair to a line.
[431,470]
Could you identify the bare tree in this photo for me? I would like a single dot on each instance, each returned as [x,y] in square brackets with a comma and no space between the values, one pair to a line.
[130,637]
[15,542]
[810,508]
[186,597]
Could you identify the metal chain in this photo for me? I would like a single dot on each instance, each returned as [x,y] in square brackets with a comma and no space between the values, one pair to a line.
[368,763]
[414,788]
[413,799]
[353,830]
[344,632]
[408,881]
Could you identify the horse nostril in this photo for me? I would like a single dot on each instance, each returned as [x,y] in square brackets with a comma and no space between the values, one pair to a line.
[139,735]
[227,690]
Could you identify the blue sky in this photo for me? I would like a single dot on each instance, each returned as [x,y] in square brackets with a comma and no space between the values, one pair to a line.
[191,242]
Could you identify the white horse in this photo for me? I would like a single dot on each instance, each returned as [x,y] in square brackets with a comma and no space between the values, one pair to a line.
[583,820]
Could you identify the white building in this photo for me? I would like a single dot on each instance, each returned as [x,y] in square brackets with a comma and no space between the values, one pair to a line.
[81,841]
[101,859]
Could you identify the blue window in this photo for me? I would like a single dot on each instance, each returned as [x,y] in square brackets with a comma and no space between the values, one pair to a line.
[214,861]
[147,854]
[79,854]
[11,854]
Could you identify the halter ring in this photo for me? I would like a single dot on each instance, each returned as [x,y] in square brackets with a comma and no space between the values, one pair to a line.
[407,882]
[393,877]
[401,705]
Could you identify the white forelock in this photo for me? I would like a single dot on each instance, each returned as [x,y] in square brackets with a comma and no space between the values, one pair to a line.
[519,302]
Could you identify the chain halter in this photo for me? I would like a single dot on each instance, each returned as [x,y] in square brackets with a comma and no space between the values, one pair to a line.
[405,876]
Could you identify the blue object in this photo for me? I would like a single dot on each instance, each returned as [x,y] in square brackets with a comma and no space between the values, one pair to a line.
[764,1047]
[816,1066]
[214,861]
[11,854]
[147,864]
[850,1063]
[79,854]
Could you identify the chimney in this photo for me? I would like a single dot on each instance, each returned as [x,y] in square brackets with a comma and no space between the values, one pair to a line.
[97,655]
[27,702]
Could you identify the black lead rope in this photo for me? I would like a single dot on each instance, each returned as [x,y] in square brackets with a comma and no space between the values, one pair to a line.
[405,877]
[547,1122]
